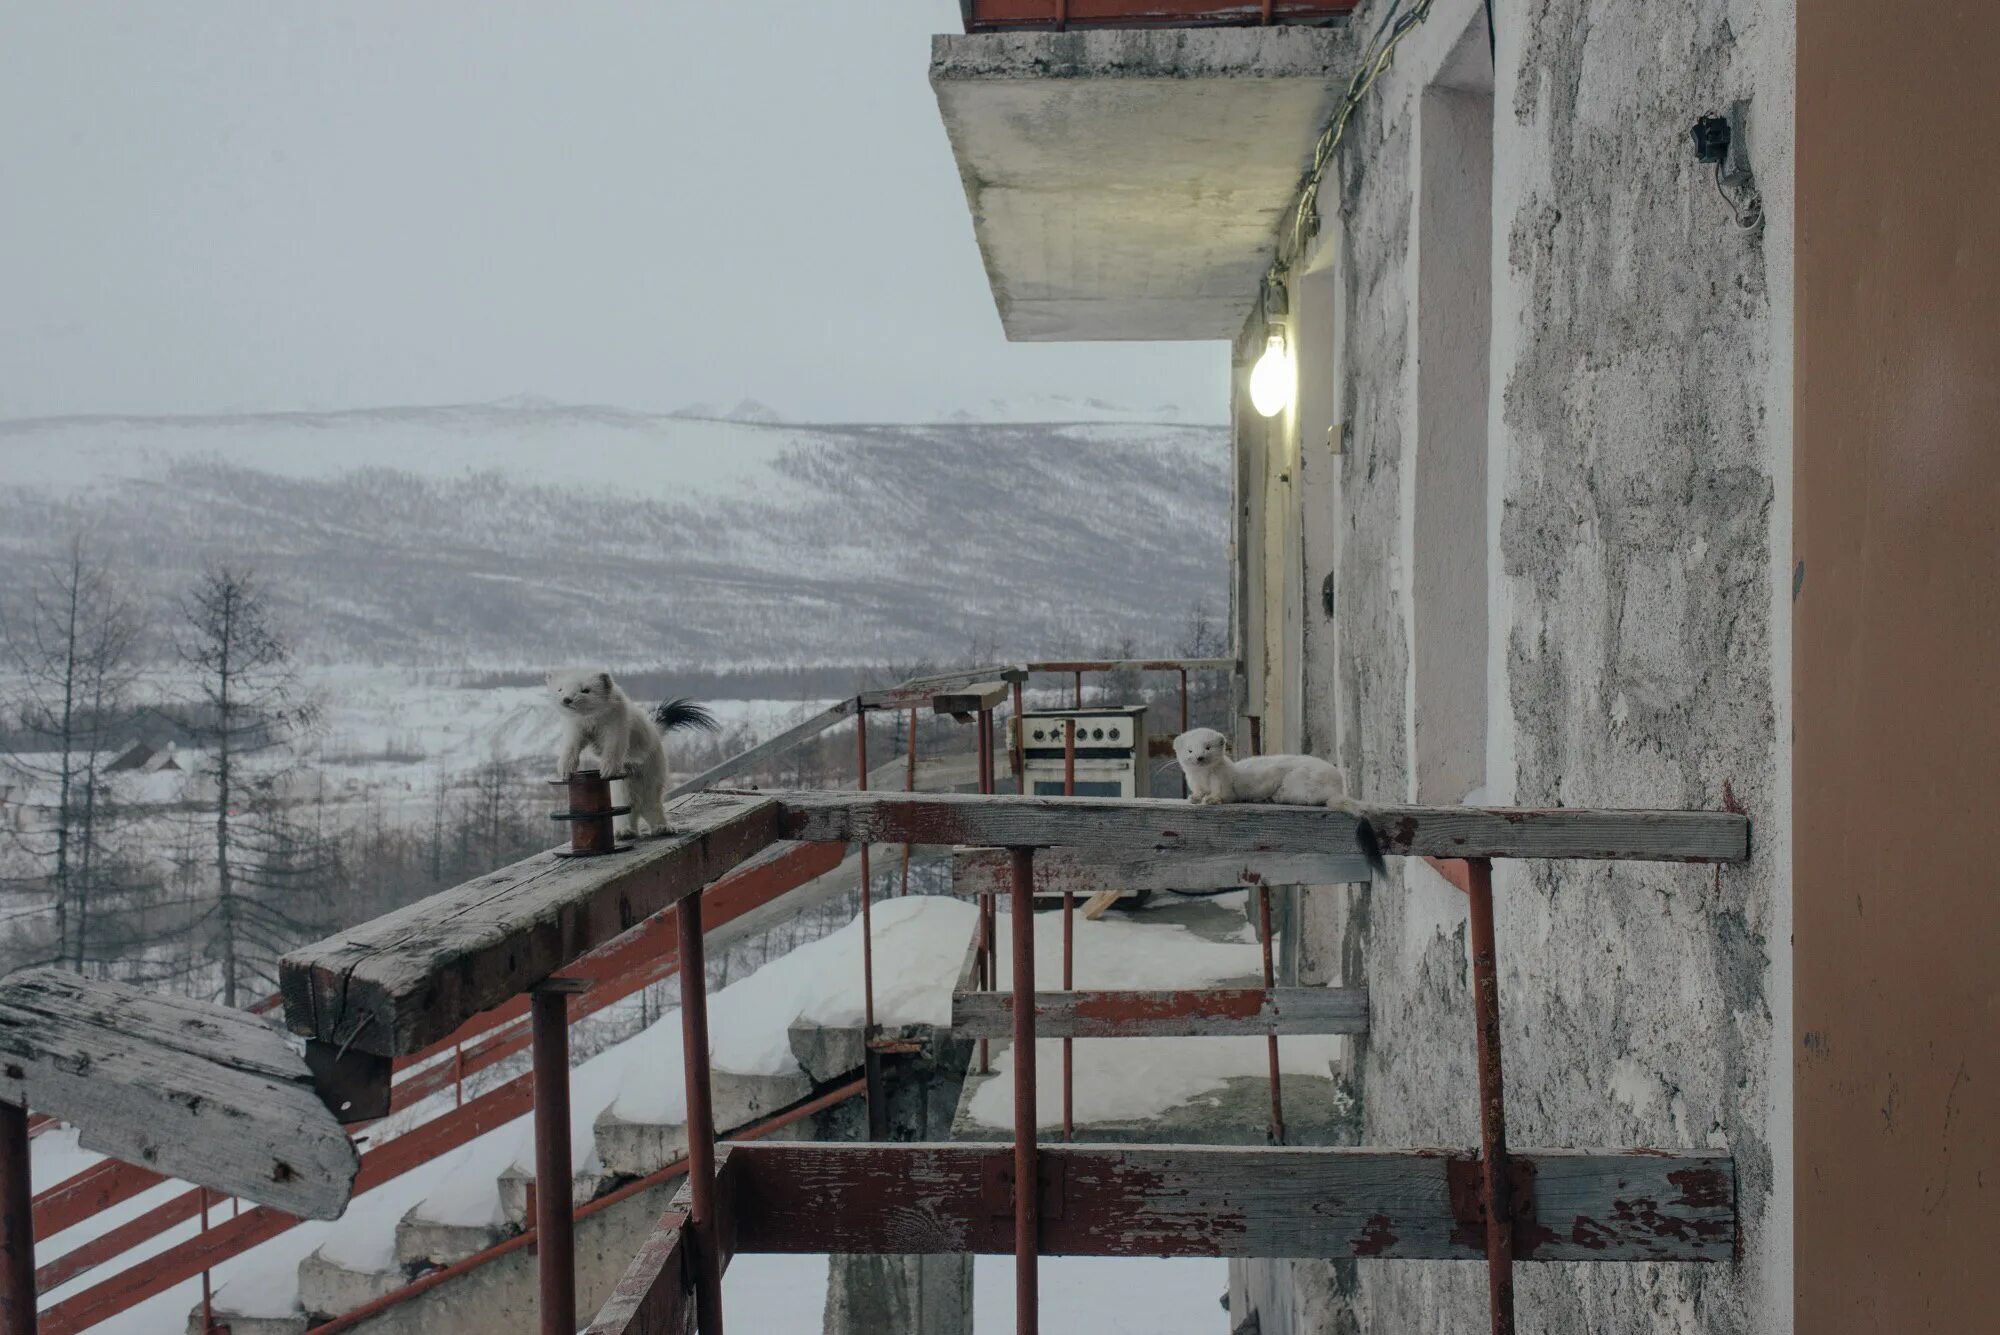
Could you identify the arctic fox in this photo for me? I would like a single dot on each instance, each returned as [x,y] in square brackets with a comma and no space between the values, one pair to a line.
[598,715]
[1305,781]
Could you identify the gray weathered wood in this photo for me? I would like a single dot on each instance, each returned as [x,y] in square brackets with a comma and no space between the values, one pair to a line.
[971,699]
[918,692]
[213,1096]
[1121,829]
[399,982]
[763,751]
[1136,665]
[655,1296]
[1085,871]
[1211,1011]
[1251,1201]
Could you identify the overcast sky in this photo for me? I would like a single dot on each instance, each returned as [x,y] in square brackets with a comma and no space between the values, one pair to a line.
[248,205]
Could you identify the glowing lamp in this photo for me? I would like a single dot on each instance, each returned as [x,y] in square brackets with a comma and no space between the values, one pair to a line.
[1273,379]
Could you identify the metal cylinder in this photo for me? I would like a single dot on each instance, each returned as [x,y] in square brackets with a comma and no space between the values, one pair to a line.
[592,818]
[1027,1202]
[555,1247]
[700,1119]
[1494,1181]
[17,1225]
[1270,980]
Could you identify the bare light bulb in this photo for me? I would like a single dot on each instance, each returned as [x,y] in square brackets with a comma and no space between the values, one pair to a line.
[1273,379]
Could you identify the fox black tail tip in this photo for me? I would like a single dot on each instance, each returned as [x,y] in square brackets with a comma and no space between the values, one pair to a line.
[1371,847]
[678,714]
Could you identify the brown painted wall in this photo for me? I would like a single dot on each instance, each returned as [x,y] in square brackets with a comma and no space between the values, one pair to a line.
[1896,680]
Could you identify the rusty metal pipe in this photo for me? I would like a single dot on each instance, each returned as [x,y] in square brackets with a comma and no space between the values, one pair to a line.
[556,1252]
[909,786]
[1027,1201]
[700,1120]
[985,769]
[1184,725]
[1270,980]
[1069,757]
[17,1224]
[1492,1107]
[1069,984]
[1020,756]
[1079,689]
[871,1060]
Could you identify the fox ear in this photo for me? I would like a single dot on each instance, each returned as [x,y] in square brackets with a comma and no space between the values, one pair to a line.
[549,677]
[605,677]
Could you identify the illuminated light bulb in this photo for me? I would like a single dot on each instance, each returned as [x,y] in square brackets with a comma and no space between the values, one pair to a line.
[1273,379]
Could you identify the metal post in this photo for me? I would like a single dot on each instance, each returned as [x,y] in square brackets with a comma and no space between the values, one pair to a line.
[1020,756]
[548,1009]
[17,1225]
[1069,939]
[1069,984]
[1492,1108]
[700,1119]
[1184,725]
[909,786]
[1079,688]
[871,1060]
[1270,980]
[985,770]
[983,962]
[458,1076]
[207,1283]
[1027,1200]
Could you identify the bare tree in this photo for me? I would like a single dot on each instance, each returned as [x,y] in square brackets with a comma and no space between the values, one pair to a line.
[248,711]
[74,651]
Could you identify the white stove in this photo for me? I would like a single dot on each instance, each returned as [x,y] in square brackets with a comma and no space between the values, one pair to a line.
[1111,759]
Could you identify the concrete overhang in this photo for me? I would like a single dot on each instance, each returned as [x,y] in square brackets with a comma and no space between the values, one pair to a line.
[1129,184]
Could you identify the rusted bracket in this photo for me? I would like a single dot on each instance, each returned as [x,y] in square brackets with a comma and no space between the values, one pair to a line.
[354,1085]
[996,1185]
[1468,1204]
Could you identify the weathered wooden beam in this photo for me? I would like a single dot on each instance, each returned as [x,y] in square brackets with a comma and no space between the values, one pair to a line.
[971,699]
[1086,871]
[1243,1202]
[1137,665]
[655,1295]
[401,981]
[765,750]
[1212,1011]
[1122,829]
[204,1093]
[918,691]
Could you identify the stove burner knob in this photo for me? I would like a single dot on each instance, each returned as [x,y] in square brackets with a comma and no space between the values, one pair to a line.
[1038,734]
[1097,733]
[1114,734]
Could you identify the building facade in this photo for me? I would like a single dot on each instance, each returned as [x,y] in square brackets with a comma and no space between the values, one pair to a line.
[1623,468]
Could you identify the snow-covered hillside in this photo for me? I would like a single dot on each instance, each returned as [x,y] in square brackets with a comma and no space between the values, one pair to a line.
[523,532]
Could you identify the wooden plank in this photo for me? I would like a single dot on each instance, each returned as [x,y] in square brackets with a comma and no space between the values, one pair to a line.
[401,981]
[1123,829]
[763,751]
[1116,827]
[204,1093]
[1192,1011]
[1235,1201]
[1084,871]
[1137,665]
[971,699]
[656,1294]
[1094,908]
[918,692]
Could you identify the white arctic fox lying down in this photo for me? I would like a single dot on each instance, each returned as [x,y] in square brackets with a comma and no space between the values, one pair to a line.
[1214,777]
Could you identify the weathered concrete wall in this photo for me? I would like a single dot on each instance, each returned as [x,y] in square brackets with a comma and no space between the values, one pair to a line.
[1639,438]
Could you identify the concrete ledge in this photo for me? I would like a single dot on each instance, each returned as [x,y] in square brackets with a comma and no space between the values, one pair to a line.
[1129,184]
[634,1149]
[585,1186]
[422,1241]
[332,1288]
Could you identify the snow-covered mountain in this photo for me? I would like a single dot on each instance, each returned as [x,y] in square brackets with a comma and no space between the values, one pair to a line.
[526,532]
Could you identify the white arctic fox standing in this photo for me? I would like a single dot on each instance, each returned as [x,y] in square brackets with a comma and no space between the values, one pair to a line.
[597,715]
[1305,781]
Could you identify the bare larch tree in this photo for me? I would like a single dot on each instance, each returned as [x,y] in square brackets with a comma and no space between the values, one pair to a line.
[248,712]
